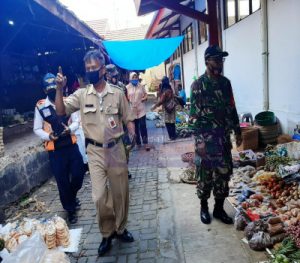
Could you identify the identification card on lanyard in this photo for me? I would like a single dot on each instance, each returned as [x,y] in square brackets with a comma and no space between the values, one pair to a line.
[46,112]
[112,122]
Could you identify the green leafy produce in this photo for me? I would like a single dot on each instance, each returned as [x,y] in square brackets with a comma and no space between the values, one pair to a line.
[273,162]
[287,252]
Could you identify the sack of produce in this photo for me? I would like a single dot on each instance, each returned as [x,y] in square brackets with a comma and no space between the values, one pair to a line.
[255,227]
[240,220]
[260,241]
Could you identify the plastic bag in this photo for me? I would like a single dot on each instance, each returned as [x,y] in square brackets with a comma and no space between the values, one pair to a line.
[30,251]
[260,241]
[55,256]
[240,220]
[255,227]
[152,116]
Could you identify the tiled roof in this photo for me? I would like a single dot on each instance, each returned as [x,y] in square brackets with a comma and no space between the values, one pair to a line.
[101,27]
[127,33]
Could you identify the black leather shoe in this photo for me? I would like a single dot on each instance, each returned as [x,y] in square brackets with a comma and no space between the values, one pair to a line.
[205,216]
[77,204]
[104,246]
[125,237]
[72,218]
[221,215]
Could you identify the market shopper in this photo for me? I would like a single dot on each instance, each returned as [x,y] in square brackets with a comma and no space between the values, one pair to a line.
[168,100]
[103,109]
[112,76]
[213,116]
[60,142]
[137,95]
[182,94]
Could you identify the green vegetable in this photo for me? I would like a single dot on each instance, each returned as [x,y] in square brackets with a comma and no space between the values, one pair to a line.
[273,162]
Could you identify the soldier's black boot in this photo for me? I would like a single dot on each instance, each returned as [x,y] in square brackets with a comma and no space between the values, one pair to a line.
[220,213]
[204,214]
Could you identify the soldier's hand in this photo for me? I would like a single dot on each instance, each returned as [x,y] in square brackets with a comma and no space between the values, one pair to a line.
[61,80]
[52,137]
[66,130]
[238,139]
[200,149]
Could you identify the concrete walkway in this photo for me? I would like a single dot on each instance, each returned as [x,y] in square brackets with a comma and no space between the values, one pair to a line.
[163,214]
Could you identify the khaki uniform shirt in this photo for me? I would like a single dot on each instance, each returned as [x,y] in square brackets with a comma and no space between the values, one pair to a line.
[101,116]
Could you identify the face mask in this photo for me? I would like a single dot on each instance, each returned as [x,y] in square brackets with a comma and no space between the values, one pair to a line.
[93,77]
[51,94]
[215,70]
[114,80]
[134,82]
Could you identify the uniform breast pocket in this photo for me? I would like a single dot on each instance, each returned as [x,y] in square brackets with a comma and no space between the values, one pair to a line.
[112,117]
[89,115]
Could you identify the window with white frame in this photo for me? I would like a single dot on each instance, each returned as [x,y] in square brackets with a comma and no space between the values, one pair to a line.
[236,10]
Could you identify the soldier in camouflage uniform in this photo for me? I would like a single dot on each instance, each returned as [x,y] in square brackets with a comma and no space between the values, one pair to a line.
[112,76]
[212,117]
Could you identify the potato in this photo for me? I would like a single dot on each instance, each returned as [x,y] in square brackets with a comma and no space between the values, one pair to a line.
[294,212]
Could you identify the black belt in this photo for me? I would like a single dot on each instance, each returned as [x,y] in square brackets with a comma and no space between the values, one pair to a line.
[102,145]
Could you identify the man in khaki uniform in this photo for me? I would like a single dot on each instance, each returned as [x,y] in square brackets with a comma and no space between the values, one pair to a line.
[103,110]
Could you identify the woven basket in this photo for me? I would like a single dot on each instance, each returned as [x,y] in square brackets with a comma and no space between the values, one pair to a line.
[250,138]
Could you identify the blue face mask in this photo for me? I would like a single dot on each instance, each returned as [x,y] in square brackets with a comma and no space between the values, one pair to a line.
[134,82]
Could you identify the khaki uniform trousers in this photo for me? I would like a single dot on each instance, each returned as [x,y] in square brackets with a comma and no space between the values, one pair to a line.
[110,190]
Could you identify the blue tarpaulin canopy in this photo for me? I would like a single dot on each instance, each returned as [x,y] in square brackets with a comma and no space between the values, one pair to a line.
[141,54]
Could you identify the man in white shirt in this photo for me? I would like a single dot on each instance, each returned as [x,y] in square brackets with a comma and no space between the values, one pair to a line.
[60,142]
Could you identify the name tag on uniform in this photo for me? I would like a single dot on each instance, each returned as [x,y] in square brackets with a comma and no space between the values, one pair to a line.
[112,122]
[89,105]
[46,112]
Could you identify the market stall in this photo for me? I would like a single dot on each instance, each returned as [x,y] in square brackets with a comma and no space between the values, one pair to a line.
[266,199]
[47,240]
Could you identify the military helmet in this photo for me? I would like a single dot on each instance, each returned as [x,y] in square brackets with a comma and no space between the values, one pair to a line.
[111,70]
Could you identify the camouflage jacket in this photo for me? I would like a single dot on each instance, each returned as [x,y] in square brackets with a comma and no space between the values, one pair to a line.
[120,86]
[213,115]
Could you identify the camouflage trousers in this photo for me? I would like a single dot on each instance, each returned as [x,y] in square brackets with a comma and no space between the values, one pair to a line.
[215,179]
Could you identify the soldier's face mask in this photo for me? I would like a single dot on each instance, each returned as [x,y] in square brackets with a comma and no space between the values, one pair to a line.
[215,65]
[114,80]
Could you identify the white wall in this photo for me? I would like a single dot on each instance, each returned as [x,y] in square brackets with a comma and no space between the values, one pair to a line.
[284,63]
[243,66]
[201,62]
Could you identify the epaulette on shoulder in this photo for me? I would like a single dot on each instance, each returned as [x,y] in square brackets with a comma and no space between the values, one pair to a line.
[116,87]
[41,103]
